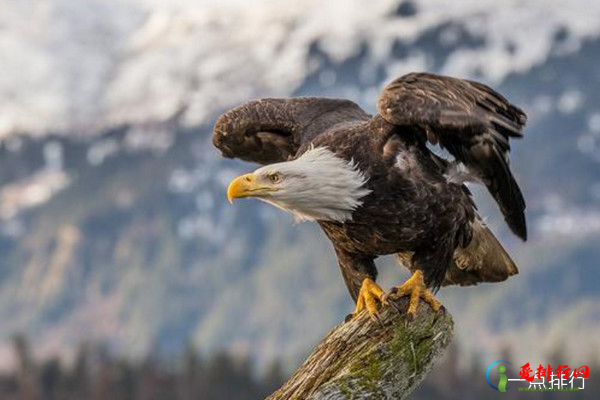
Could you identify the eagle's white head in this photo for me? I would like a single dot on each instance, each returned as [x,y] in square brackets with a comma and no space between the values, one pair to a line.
[316,186]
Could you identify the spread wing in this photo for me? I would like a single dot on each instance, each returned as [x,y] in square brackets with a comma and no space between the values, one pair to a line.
[472,121]
[272,130]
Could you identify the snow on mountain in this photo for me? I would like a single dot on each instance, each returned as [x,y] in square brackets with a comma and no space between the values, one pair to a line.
[571,223]
[85,66]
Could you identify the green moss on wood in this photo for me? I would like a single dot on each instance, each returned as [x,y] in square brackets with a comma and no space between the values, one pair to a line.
[361,359]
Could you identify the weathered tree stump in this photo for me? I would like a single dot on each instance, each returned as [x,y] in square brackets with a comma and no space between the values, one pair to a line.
[362,359]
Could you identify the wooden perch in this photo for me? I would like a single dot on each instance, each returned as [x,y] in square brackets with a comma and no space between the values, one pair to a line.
[361,359]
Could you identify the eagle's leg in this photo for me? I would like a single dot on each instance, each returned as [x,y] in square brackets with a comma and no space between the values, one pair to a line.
[368,296]
[415,288]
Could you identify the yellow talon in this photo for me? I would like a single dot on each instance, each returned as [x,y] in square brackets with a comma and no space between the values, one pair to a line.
[415,288]
[369,294]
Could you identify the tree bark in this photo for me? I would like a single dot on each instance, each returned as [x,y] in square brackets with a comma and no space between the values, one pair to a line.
[362,359]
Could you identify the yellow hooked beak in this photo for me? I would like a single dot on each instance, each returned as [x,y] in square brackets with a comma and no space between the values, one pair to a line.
[242,186]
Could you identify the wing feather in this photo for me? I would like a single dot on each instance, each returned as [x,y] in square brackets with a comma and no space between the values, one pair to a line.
[472,121]
[272,130]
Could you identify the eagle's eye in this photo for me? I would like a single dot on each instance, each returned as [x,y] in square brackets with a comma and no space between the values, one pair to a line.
[274,178]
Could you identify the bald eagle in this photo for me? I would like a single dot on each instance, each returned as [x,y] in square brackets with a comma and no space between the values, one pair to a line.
[375,187]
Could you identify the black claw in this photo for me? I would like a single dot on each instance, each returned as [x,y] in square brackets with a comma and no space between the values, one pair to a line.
[409,318]
[348,318]
[377,319]
[396,306]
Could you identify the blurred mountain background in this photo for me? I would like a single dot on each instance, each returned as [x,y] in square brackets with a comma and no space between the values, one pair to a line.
[114,227]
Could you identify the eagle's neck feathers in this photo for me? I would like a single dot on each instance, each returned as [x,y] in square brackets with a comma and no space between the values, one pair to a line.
[319,186]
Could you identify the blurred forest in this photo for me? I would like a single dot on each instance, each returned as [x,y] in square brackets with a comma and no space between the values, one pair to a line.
[97,375]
